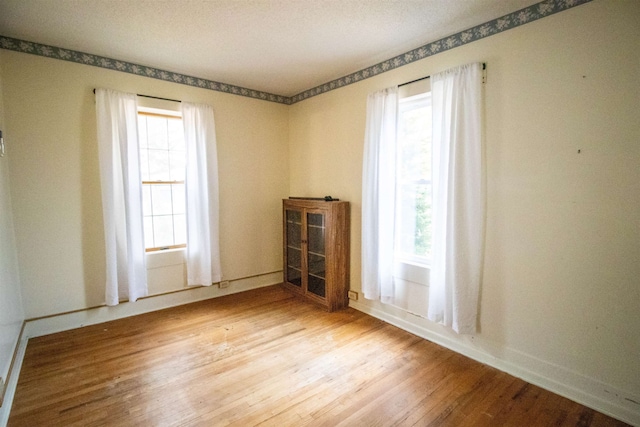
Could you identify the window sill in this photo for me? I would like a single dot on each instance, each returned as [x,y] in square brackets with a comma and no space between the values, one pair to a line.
[164,258]
[412,272]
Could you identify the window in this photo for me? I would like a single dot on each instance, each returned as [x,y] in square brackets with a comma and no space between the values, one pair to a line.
[413,180]
[162,166]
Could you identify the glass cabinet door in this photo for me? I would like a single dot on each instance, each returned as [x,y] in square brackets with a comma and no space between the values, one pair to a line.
[315,257]
[294,247]
[316,263]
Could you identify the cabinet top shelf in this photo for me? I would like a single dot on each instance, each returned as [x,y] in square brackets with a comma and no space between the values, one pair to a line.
[318,199]
[306,203]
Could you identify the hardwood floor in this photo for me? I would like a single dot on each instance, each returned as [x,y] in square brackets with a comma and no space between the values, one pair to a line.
[265,358]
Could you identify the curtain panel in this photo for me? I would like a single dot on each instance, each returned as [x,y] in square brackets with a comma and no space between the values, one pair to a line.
[121,184]
[378,195]
[458,198]
[201,187]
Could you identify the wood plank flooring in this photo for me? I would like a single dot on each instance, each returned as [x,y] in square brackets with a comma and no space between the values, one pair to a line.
[265,358]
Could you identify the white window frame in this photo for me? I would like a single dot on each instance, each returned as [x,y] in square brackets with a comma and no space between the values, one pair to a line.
[142,110]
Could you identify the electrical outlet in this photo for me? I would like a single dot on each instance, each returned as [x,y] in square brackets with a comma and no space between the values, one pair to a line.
[353,295]
[224,284]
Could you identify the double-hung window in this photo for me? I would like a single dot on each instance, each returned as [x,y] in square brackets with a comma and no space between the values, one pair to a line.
[162,166]
[413,180]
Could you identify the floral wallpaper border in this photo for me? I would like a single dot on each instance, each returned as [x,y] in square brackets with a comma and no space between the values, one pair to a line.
[128,67]
[499,25]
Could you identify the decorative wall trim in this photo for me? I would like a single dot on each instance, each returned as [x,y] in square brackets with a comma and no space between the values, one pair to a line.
[131,68]
[497,26]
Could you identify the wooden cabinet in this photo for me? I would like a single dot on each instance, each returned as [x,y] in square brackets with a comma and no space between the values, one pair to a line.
[316,250]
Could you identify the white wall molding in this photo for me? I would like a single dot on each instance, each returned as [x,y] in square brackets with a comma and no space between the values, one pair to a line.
[12,378]
[91,316]
[581,389]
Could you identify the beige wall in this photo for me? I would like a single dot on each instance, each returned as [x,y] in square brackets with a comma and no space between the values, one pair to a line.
[560,292]
[56,188]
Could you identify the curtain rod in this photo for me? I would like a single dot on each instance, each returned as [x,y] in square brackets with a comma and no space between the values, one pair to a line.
[414,81]
[153,97]
[484,67]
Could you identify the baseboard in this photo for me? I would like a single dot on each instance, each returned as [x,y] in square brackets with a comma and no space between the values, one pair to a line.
[574,386]
[12,377]
[91,316]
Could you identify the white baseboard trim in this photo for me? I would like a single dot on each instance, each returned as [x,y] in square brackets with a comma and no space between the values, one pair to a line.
[581,389]
[12,378]
[91,316]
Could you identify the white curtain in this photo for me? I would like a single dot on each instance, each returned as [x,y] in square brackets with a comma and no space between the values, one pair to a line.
[201,186]
[458,199]
[378,195]
[117,123]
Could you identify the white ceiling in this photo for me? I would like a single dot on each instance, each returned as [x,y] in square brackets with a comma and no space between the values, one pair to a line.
[278,46]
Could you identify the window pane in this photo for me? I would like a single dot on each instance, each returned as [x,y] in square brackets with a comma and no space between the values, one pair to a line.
[179,206]
[142,131]
[159,165]
[415,144]
[163,230]
[180,229]
[144,164]
[177,162]
[148,232]
[176,134]
[161,199]
[157,132]
[146,200]
[406,220]
[414,220]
